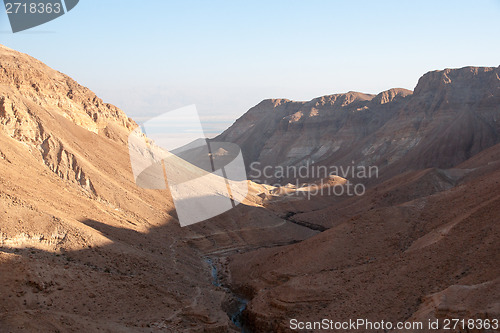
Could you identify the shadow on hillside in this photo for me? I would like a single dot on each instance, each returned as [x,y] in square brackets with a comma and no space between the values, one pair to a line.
[139,281]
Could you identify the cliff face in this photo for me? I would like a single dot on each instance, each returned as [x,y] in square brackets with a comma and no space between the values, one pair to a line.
[452,115]
[283,132]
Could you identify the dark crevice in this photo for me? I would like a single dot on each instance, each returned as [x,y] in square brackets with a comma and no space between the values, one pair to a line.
[289,217]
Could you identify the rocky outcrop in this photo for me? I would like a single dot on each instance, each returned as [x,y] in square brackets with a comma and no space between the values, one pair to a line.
[33,94]
[65,164]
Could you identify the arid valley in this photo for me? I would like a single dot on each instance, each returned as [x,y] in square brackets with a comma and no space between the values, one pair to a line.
[84,249]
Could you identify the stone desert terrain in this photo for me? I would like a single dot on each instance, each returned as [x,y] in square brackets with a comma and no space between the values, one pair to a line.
[84,249]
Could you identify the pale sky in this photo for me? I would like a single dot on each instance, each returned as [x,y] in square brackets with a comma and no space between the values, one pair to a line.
[149,57]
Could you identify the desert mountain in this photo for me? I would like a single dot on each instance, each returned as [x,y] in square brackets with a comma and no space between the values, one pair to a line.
[421,243]
[452,115]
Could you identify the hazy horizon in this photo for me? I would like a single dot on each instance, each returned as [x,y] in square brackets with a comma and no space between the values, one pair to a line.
[149,61]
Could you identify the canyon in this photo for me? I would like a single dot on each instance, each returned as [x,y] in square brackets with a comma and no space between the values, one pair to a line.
[83,248]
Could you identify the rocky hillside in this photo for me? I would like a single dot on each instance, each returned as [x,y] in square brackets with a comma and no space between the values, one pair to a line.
[423,241]
[451,115]
[74,230]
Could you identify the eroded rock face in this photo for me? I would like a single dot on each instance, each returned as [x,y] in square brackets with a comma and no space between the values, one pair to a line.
[283,132]
[33,94]
[452,115]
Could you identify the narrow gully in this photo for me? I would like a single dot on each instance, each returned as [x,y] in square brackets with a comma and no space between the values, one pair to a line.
[236,303]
